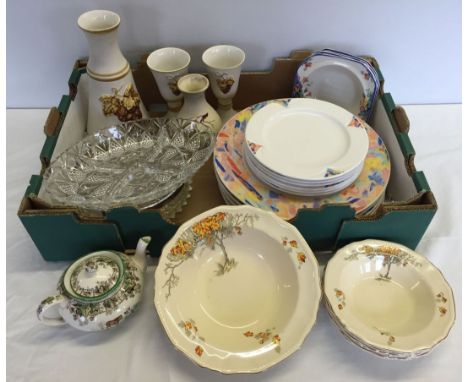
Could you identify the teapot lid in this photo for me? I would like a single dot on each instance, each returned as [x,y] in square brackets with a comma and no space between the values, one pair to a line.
[94,277]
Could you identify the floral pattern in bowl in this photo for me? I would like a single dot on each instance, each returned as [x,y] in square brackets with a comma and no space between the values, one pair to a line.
[388,299]
[237,289]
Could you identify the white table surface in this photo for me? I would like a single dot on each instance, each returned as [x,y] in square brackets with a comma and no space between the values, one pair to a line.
[140,351]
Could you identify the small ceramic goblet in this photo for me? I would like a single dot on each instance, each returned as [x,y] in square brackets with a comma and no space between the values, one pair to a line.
[167,66]
[224,66]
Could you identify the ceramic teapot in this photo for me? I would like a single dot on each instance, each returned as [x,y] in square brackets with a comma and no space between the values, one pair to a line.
[98,291]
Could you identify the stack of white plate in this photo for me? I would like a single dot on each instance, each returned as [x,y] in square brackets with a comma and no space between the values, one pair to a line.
[244,179]
[309,148]
[387,299]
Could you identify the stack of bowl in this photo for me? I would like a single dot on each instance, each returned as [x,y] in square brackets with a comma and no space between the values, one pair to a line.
[387,299]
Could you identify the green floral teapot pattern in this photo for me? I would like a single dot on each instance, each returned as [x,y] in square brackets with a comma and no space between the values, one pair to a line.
[98,291]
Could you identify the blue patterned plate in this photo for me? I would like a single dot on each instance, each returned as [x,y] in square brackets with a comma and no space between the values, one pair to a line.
[340,78]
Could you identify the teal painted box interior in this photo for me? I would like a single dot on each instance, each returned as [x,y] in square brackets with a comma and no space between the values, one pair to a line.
[65,234]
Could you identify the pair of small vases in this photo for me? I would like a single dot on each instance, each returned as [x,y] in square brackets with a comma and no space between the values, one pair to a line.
[185,93]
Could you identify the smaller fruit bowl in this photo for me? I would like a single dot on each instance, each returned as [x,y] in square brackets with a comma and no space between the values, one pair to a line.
[388,299]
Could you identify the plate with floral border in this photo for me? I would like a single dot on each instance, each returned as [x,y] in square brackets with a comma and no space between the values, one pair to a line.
[237,289]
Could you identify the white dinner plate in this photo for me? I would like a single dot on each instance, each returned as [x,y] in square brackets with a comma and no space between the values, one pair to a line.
[327,182]
[307,139]
[287,186]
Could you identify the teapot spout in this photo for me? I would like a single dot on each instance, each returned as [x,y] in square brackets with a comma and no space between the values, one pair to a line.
[140,252]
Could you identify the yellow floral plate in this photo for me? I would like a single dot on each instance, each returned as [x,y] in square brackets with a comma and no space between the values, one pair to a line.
[237,289]
[388,299]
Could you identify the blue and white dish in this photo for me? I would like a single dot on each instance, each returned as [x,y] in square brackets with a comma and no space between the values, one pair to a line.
[367,64]
[345,80]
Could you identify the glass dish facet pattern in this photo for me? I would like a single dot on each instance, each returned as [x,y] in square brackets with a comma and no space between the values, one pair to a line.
[136,164]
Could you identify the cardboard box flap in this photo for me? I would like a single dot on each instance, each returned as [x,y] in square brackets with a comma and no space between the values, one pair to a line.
[52,121]
[133,224]
[74,79]
[401,131]
[408,225]
[300,54]
[52,128]
[34,185]
[402,119]
[69,243]
[420,181]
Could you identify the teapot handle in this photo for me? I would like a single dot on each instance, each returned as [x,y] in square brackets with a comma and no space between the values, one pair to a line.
[45,305]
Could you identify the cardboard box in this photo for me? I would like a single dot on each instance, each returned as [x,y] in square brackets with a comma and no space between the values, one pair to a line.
[68,233]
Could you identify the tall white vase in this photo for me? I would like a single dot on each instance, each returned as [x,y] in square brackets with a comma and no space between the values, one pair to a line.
[196,107]
[113,96]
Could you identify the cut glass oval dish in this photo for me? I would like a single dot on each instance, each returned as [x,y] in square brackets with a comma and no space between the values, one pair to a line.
[237,289]
[137,164]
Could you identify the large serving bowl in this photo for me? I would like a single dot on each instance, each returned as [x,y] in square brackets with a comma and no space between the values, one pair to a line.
[388,299]
[237,289]
[138,164]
